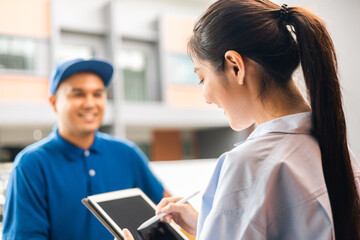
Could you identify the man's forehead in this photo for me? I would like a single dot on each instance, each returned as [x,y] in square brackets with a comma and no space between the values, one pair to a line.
[83,78]
[81,75]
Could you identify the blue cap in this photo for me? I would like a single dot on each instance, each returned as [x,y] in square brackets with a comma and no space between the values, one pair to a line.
[65,69]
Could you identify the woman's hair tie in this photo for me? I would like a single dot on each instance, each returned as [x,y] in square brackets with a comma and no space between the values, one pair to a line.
[284,13]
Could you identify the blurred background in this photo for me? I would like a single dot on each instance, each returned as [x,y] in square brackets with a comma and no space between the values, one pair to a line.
[154,99]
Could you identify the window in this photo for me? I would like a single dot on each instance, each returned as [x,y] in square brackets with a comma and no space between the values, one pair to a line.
[182,73]
[133,64]
[80,45]
[17,53]
[69,51]
[138,63]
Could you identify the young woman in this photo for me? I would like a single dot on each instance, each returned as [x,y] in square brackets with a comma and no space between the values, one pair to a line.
[293,178]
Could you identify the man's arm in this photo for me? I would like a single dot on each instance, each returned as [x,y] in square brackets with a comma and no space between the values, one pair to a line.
[25,215]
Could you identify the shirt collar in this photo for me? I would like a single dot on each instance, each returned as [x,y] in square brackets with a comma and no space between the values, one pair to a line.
[70,149]
[299,123]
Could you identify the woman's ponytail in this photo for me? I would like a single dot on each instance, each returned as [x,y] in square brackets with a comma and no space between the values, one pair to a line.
[319,65]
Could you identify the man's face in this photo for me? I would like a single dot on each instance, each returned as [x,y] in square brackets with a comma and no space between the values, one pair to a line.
[79,103]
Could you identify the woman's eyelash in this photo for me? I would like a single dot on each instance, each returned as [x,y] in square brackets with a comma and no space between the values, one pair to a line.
[201,81]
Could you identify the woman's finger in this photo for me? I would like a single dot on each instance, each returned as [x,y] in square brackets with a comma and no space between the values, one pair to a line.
[128,235]
[174,208]
[165,201]
[167,218]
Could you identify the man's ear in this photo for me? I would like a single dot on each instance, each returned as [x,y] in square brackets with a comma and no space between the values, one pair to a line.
[235,66]
[52,100]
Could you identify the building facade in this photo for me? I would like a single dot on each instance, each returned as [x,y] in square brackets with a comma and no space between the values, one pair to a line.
[154,99]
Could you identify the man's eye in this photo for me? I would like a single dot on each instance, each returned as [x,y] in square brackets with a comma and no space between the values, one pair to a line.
[77,94]
[98,95]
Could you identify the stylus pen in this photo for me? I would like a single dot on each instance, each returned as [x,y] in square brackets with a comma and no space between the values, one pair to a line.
[157,217]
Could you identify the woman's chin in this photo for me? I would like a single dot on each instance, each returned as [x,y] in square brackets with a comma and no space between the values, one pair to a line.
[239,126]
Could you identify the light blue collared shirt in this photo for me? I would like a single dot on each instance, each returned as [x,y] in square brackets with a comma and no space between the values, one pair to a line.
[270,187]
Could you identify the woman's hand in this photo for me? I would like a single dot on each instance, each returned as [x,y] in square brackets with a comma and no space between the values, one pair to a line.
[127,235]
[183,214]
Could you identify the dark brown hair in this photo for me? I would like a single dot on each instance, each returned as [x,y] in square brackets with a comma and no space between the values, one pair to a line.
[259,30]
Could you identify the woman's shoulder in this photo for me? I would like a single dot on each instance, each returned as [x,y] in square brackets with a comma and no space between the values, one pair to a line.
[245,163]
[270,144]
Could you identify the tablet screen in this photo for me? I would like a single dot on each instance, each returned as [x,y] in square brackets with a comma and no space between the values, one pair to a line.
[131,212]
[159,231]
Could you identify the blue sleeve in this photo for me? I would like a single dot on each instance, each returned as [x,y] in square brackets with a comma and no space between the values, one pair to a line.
[25,215]
[145,178]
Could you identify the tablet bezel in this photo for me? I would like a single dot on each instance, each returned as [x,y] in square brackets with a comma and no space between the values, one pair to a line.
[103,197]
[102,219]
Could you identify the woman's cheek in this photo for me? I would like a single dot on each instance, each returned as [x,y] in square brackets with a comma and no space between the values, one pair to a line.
[204,92]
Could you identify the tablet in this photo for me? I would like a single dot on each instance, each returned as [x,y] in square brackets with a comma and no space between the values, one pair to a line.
[129,209]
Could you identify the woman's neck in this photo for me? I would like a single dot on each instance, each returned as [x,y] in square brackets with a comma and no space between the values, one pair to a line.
[281,102]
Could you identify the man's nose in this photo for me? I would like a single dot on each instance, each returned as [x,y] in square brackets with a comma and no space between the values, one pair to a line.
[89,100]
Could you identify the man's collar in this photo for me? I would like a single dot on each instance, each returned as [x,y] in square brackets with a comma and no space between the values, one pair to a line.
[74,152]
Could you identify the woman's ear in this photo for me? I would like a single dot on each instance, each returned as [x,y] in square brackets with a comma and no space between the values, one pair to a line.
[235,66]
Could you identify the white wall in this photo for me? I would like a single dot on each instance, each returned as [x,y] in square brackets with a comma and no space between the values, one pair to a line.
[343,18]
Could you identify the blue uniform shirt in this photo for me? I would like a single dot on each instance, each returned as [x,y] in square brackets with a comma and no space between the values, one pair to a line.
[49,179]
